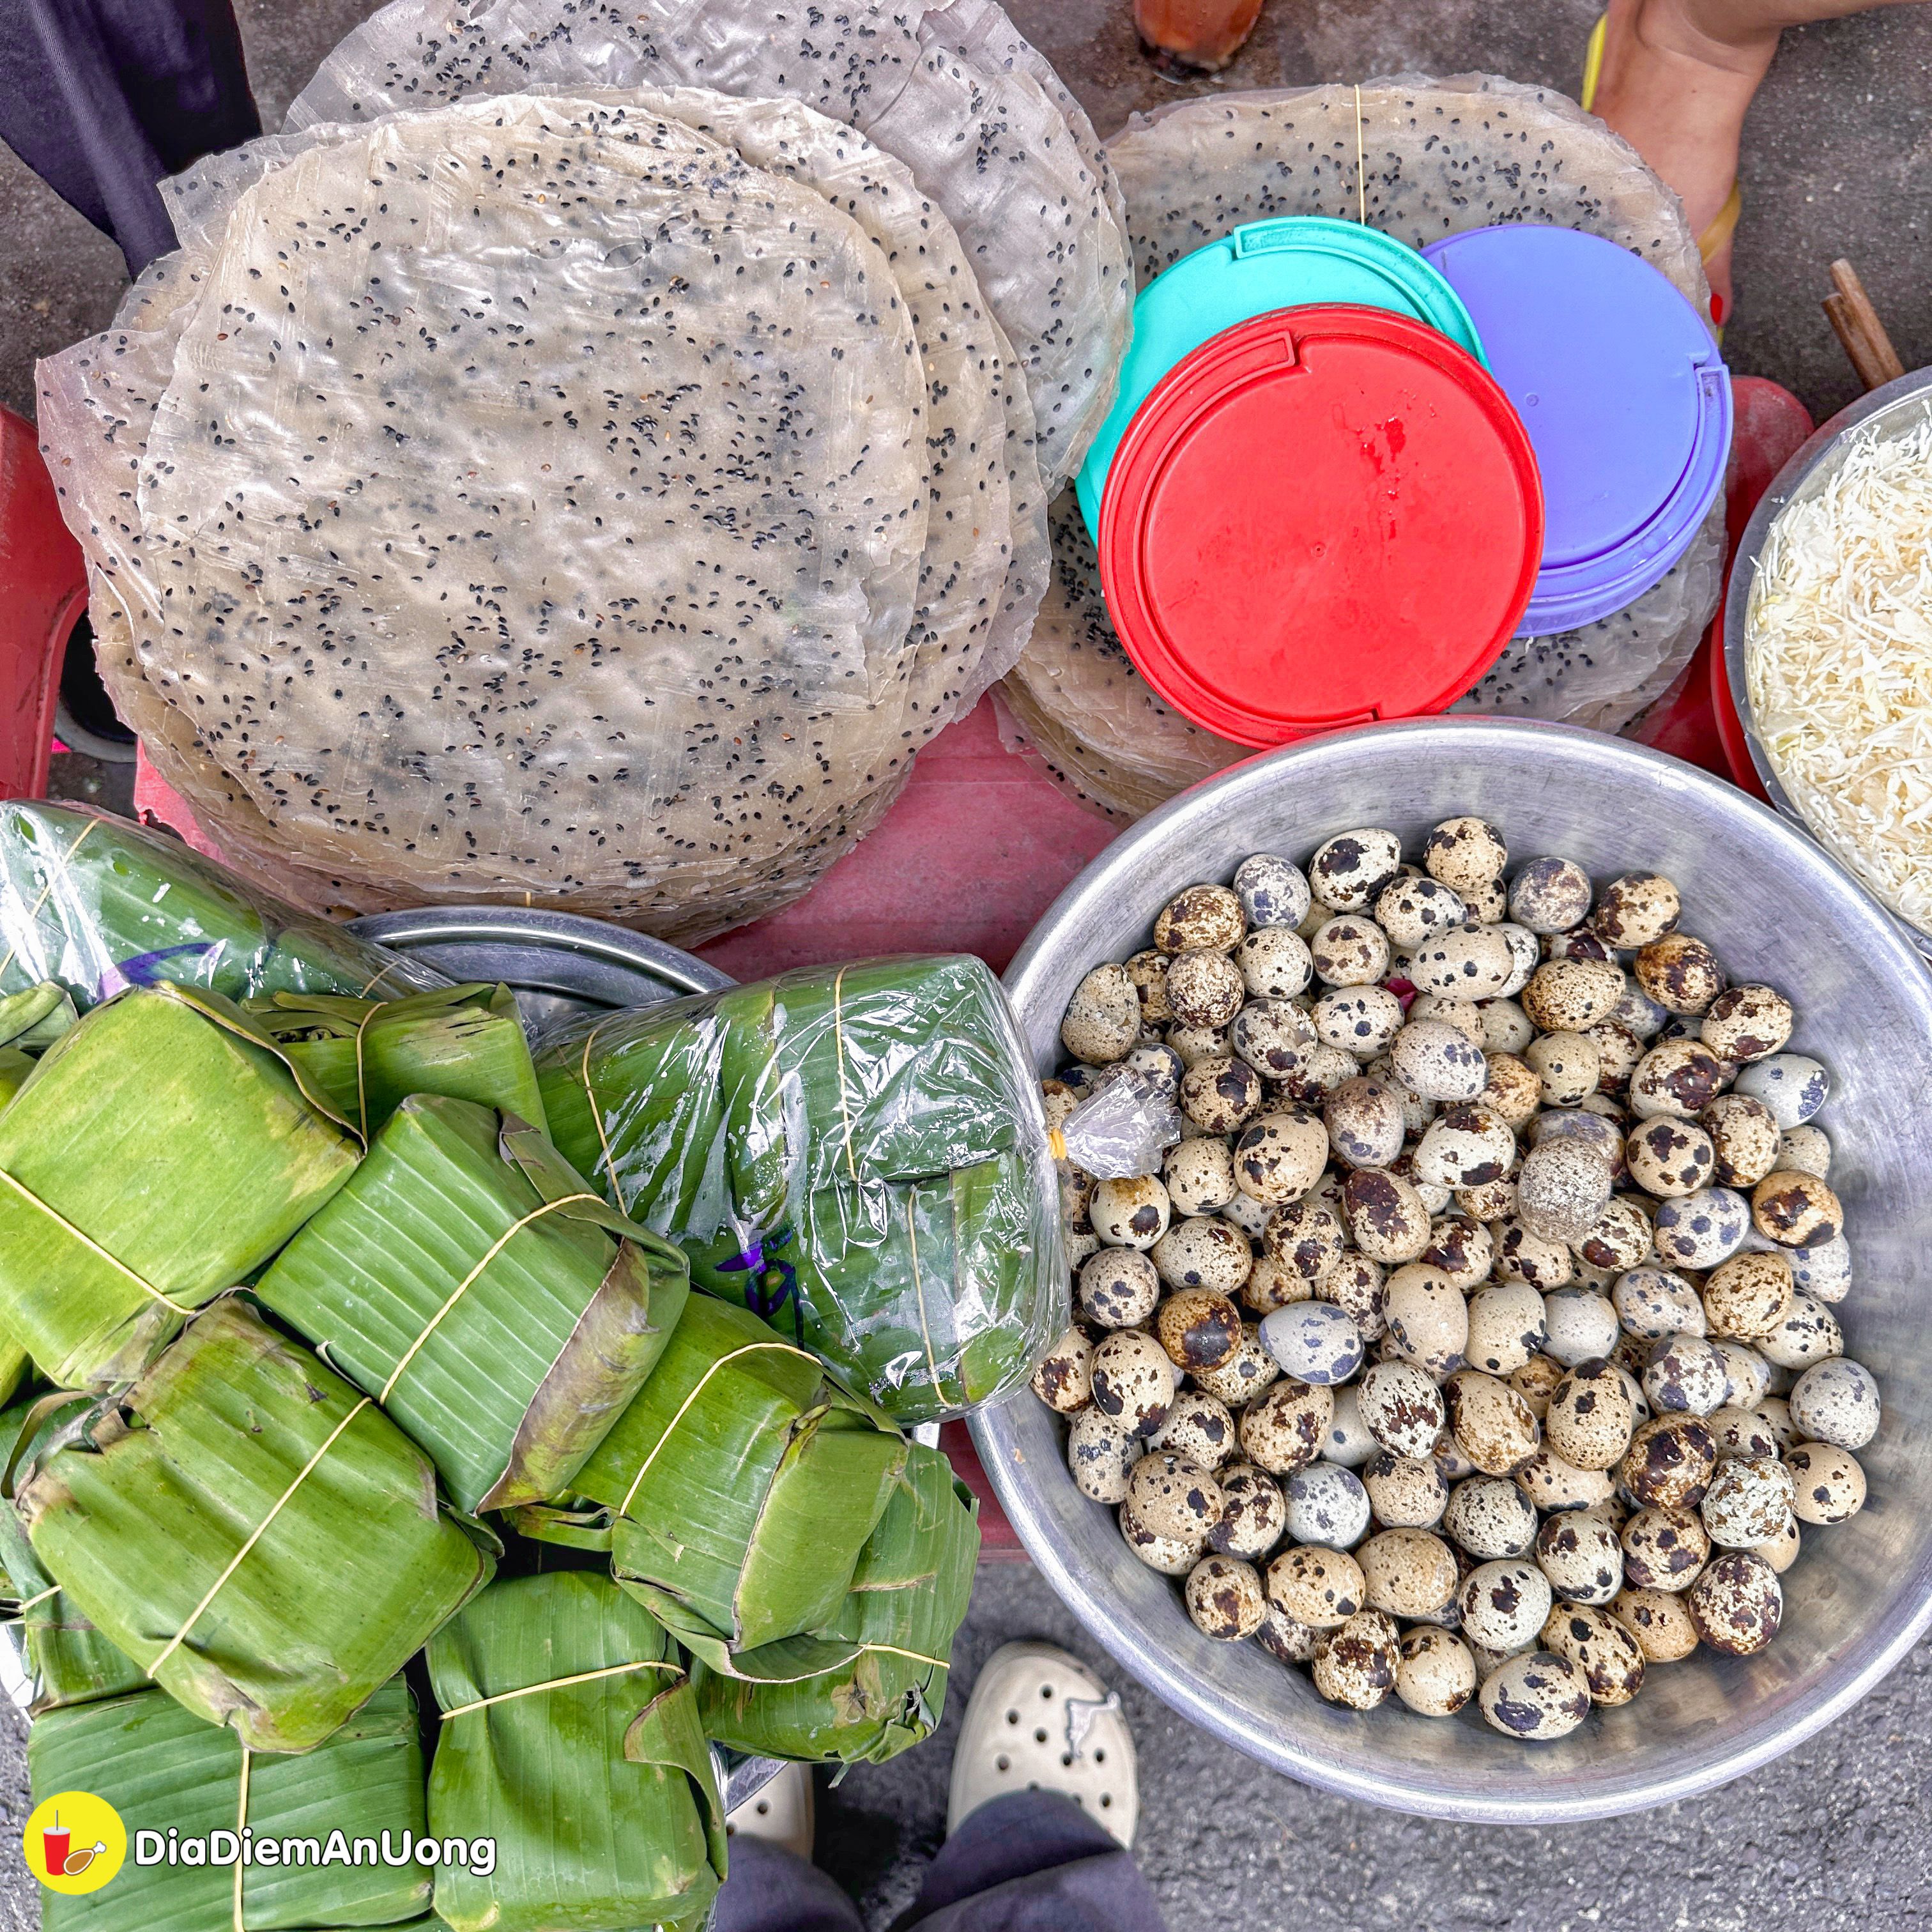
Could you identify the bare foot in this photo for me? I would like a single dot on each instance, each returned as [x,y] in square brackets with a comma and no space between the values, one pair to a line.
[1677,92]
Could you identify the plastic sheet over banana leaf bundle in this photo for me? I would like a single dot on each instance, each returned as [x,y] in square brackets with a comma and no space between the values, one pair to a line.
[1417,159]
[497,1307]
[262,1540]
[165,1770]
[873,1682]
[856,1155]
[799,507]
[570,1739]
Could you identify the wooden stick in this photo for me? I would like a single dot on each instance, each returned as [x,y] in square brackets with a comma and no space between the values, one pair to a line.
[1850,312]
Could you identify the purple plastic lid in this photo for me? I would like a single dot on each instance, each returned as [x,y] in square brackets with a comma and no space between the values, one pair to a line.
[1625,398]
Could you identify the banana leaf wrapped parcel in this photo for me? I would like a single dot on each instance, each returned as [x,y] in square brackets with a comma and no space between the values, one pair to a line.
[495,1304]
[858,1155]
[263,1541]
[99,904]
[164,1770]
[872,1682]
[160,1152]
[570,1736]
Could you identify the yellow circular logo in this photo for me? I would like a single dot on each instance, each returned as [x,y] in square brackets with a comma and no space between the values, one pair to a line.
[75,1842]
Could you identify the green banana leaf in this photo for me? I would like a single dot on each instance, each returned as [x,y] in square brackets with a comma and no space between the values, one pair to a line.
[15,1066]
[368,1056]
[504,1339]
[65,1659]
[161,1151]
[265,1543]
[34,1019]
[873,1682]
[599,1793]
[926,1295]
[740,1486]
[162,1769]
[17,1367]
[100,904]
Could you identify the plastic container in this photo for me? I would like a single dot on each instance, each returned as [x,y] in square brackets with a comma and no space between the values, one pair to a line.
[1299,261]
[1323,516]
[1626,399]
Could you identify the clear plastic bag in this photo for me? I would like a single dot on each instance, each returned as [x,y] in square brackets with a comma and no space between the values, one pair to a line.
[858,1155]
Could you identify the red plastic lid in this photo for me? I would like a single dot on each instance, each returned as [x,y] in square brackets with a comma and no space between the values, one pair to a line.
[1321,516]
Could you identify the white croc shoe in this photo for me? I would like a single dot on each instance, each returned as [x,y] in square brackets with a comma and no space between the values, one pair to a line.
[1039,1720]
[782,1812]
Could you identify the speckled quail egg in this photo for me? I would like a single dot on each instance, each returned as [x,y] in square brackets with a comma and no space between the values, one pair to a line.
[1506,1328]
[1365,1123]
[1465,852]
[1462,1248]
[1401,1407]
[1359,1020]
[1618,1050]
[1173,1496]
[1322,1069]
[1236,1382]
[1412,906]
[1504,1604]
[1439,1061]
[1514,1094]
[1635,910]
[1782,1551]
[1664,1548]
[1525,1256]
[1506,1027]
[1282,1430]
[1774,1413]
[1356,1285]
[1274,962]
[1467,1144]
[1305,1238]
[1407,1572]
[1348,871]
[1254,1513]
[1428,1318]
[1566,1065]
[1492,1425]
[1272,1284]
[1747,1374]
[1349,1442]
[1610,1658]
[1405,1492]
[1550,895]
[1579,1553]
[1473,962]
[1490,1517]
[1640,1012]
[1748,1502]
[1622,1239]
[1536,1695]
[1280,1156]
[1207,916]
[1385,1216]
[1827,1483]
[1536,1381]
[1199,1327]
[1118,1288]
[1699,1231]
[1148,971]
[1836,1402]
[1589,1421]
[1670,1156]
[1809,1332]
[1205,987]
[1793,1085]
[1102,1456]
[1320,1587]
[1326,1504]
[1199,1427]
[1199,1175]
[1579,1325]
[1677,1079]
[1568,995]
[1132,1381]
[1219,1094]
[1465,1015]
[1203,1251]
[1314,1342]
[1526,955]
[1684,1374]
[1804,1149]
[1170,1556]
[1064,1379]
[1562,1193]
[1680,973]
[1245,1213]
[1103,1017]
[1796,1210]
[1744,1431]
[1748,1023]
[1660,1621]
[1737,1604]
[1823,1271]
[1224,1597]
[1195,1044]
[1745,1140]
[1449,1458]
[1356,1665]
[1272,891]
[1748,1295]
[1669,1462]
[1272,1036]
[1130,1214]
[1281,1636]
[1436,1674]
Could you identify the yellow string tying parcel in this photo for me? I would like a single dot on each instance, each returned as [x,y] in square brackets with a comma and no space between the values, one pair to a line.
[469,1281]
[241,1826]
[93,1246]
[597,1112]
[563,1683]
[214,1589]
[859,1650]
[697,1389]
[46,891]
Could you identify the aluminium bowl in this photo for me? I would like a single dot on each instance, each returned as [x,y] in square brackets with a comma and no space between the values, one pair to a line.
[1777,909]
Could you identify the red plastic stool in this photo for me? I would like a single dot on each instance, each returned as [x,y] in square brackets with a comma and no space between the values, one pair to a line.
[45,580]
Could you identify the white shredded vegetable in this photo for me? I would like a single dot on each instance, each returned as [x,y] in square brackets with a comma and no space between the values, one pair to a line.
[1838,661]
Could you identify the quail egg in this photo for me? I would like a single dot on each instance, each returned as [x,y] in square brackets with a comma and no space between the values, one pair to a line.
[1224,1597]
[1836,1401]
[1282,1430]
[1203,916]
[1254,1513]
[1356,1665]
[1132,1381]
[1272,892]
[1792,1085]
[1407,1572]
[1737,1604]
[1322,1588]
[1827,1483]
[1579,1553]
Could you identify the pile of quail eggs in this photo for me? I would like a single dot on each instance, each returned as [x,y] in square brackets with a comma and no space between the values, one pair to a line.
[1476,1342]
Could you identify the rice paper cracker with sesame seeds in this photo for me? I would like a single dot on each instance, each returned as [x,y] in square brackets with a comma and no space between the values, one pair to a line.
[987,144]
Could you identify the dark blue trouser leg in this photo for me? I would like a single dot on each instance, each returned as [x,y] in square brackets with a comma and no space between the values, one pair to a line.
[772,1890]
[103,98]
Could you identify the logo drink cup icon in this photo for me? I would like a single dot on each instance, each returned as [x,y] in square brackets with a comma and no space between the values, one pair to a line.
[57,1842]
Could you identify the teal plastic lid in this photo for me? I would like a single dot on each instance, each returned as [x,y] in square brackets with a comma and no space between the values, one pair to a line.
[1299,260]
